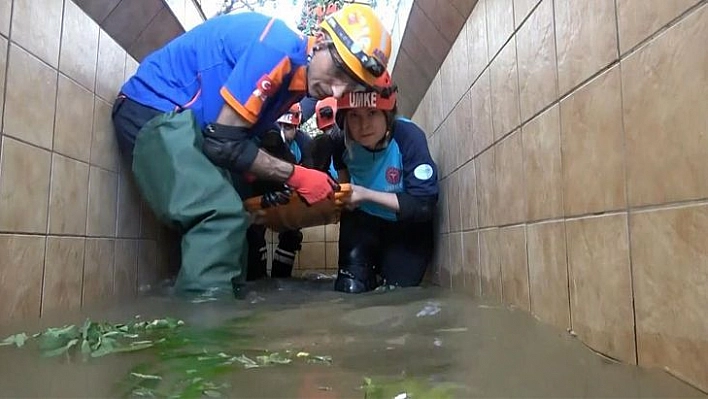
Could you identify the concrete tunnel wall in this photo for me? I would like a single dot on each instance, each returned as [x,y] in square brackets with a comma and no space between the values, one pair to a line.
[570,136]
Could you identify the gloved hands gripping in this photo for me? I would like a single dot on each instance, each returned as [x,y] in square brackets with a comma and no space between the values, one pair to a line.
[312,185]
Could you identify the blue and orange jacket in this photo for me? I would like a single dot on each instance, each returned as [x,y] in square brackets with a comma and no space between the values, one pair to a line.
[252,62]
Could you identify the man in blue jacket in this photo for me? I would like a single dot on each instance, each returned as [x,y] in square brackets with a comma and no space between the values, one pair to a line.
[189,119]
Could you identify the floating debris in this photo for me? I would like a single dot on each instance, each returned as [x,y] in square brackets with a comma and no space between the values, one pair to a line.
[430,309]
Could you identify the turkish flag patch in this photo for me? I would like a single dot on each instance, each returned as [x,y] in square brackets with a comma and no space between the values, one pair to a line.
[265,86]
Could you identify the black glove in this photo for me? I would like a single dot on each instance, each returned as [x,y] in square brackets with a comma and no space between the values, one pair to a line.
[275,198]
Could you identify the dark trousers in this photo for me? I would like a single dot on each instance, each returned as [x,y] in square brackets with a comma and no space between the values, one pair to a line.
[397,251]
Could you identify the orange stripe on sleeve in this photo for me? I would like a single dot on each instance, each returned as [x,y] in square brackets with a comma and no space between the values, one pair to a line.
[299,80]
[240,109]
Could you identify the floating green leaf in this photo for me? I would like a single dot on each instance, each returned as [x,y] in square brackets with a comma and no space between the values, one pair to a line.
[18,340]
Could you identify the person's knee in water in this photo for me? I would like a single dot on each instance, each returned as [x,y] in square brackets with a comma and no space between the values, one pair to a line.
[386,227]
[206,107]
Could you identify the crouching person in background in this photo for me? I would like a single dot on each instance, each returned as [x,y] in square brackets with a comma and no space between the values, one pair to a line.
[386,229]
[287,142]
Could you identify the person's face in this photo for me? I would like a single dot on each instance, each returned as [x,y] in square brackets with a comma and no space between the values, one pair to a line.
[288,131]
[325,75]
[366,126]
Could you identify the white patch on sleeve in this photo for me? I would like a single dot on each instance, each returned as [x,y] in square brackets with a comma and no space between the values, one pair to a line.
[423,172]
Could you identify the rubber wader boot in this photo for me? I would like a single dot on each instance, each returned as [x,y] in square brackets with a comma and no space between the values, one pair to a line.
[189,193]
[355,279]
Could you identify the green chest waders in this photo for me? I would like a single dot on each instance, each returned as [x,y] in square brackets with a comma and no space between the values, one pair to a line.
[189,193]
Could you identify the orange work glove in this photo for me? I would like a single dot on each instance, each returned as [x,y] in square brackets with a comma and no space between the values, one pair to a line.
[312,185]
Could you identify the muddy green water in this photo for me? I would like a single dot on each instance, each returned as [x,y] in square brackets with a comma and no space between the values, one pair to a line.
[421,342]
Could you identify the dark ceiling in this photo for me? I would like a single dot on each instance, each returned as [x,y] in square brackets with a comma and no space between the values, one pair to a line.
[433,26]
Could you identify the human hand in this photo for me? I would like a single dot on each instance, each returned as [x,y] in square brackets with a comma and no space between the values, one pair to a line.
[357,196]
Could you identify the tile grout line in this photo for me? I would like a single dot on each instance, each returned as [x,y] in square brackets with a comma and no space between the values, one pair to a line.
[51,162]
[626,194]
[521,139]
[560,153]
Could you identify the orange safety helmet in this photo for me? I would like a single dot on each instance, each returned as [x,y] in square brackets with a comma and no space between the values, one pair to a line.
[293,116]
[325,112]
[383,98]
[361,40]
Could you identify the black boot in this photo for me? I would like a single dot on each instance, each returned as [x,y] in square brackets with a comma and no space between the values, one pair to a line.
[355,279]
[257,253]
[289,242]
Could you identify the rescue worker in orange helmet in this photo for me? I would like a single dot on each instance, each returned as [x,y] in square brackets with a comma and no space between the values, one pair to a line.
[188,121]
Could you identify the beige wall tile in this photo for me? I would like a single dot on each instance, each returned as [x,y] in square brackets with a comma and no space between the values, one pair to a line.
[505,91]
[131,65]
[63,274]
[22,264]
[510,204]
[312,255]
[592,147]
[110,69]
[79,48]
[443,211]
[586,37]
[24,187]
[29,81]
[442,275]
[522,8]
[600,284]
[103,192]
[332,232]
[468,197]
[548,273]
[73,120]
[489,264]
[36,26]
[437,111]
[126,268]
[542,166]
[148,273]
[477,43]
[98,271]
[665,117]
[149,224]
[456,264]
[537,60]
[446,148]
[481,103]
[639,19]
[332,255]
[68,197]
[5,11]
[486,188]
[104,145]
[128,207]
[448,81]
[470,268]
[3,69]
[460,68]
[313,234]
[670,265]
[464,150]
[514,268]
[453,201]
[500,23]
